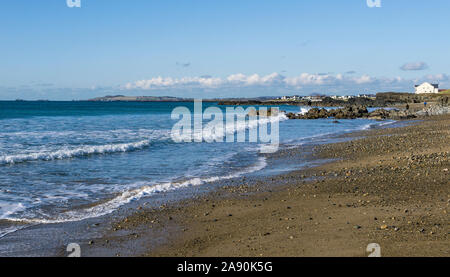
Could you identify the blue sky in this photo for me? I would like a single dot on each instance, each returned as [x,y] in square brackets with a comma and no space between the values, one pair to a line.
[203,48]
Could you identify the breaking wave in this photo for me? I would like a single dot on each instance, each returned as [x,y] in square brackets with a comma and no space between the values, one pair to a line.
[75,152]
[233,128]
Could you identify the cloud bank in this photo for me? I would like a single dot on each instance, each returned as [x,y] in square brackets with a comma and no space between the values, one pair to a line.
[276,80]
[234,85]
[254,80]
[252,85]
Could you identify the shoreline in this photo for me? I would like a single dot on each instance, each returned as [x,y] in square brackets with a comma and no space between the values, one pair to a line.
[375,190]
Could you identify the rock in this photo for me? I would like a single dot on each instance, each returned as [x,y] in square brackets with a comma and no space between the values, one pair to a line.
[384,227]
[349,112]
[434,110]
[379,114]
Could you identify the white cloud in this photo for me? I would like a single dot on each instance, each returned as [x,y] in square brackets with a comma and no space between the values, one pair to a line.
[207,81]
[168,83]
[242,80]
[310,79]
[255,79]
[414,66]
[365,79]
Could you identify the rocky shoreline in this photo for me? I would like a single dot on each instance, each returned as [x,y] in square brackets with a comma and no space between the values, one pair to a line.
[385,99]
[353,112]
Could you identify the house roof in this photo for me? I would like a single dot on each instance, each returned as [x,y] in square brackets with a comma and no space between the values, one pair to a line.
[434,85]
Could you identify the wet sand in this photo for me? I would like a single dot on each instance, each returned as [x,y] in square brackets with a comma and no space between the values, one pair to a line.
[386,186]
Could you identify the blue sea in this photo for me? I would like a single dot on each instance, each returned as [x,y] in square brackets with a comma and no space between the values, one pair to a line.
[69,161]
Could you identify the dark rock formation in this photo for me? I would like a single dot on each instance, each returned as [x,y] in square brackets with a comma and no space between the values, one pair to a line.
[352,112]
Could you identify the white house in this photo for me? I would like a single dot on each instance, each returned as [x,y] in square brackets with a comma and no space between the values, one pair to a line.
[427,88]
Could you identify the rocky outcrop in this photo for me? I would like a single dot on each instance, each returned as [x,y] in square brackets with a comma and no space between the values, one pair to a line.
[391,114]
[349,112]
[352,112]
[434,110]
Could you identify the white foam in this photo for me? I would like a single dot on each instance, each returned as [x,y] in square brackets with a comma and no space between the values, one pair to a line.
[75,152]
[239,126]
[303,110]
[145,190]
[7,209]
[371,125]
[387,123]
[77,136]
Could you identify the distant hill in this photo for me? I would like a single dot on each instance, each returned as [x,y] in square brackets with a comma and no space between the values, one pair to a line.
[122,98]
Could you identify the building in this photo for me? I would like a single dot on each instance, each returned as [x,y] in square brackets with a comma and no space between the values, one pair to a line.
[427,88]
[371,96]
[313,98]
[342,97]
[290,98]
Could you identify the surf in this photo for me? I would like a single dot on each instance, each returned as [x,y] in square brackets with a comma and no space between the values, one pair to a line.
[73,152]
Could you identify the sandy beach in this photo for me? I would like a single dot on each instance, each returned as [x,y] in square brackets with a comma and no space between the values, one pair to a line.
[388,186]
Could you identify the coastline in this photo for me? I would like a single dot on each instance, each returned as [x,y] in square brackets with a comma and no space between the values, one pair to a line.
[388,186]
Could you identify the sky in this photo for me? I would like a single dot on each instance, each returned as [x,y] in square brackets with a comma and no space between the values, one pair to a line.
[232,48]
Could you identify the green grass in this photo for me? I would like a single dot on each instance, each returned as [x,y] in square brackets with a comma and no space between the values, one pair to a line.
[445,92]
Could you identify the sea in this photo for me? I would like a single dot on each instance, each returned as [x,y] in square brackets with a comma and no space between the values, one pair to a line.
[71,161]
